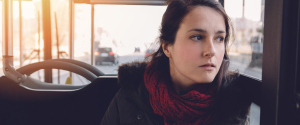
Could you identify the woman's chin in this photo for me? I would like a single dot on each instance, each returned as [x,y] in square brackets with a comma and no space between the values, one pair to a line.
[206,81]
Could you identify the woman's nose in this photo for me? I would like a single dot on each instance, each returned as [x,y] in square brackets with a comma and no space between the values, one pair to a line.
[209,49]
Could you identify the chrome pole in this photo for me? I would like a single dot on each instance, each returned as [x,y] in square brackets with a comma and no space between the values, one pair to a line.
[7,41]
[7,28]
[71,30]
[92,34]
[21,33]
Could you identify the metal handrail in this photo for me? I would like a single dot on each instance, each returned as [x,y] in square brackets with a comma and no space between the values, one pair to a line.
[7,41]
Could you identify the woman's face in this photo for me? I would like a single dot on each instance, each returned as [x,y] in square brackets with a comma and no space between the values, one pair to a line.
[198,50]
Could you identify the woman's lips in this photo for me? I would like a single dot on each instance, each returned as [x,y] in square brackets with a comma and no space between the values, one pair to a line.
[208,66]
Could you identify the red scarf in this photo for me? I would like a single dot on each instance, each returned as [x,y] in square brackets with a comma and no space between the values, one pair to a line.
[192,108]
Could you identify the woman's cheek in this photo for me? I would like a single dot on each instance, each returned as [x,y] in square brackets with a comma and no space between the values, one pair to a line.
[186,52]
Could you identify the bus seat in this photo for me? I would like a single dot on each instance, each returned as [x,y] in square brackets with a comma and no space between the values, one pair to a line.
[20,106]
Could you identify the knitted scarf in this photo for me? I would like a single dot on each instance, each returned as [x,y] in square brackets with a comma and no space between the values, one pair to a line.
[192,108]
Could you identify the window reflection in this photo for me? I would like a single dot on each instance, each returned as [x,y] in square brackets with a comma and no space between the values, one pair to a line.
[247,47]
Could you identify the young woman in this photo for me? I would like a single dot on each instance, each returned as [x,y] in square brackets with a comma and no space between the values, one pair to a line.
[187,81]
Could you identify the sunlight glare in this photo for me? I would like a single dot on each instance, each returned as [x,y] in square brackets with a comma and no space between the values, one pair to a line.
[234,9]
[28,10]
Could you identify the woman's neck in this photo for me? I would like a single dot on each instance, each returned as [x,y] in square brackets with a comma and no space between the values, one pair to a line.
[179,87]
[180,90]
[180,83]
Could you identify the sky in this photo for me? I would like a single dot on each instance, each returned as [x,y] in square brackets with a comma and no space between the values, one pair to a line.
[130,25]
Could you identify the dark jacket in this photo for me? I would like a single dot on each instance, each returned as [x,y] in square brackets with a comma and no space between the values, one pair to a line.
[131,105]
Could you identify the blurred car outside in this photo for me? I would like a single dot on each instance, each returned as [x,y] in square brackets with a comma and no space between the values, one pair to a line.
[105,54]
[137,49]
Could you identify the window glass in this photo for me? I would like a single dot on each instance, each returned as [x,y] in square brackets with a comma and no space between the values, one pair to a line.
[246,49]
[60,26]
[26,52]
[117,28]
[254,114]
[128,30]
[82,33]
[82,38]
[32,43]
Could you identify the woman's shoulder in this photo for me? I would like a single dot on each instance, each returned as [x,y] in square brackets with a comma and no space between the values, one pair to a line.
[231,81]
[232,76]
[130,75]
[233,102]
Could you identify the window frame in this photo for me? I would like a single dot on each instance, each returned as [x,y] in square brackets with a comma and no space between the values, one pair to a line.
[279,77]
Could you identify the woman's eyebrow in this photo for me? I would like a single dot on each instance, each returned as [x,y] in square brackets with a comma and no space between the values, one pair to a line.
[204,31]
[198,30]
[220,32]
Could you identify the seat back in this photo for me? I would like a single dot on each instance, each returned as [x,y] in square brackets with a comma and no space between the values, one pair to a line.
[85,106]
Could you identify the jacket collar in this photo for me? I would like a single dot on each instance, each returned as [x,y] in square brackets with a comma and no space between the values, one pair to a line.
[131,74]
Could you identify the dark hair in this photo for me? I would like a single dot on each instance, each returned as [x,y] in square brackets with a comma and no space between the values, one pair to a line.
[172,18]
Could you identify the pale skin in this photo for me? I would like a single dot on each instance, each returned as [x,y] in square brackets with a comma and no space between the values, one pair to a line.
[197,53]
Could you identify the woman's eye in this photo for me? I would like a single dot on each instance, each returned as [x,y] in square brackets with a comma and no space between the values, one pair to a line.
[220,39]
[196,38]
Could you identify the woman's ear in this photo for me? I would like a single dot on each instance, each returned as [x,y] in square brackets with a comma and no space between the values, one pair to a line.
[167,49]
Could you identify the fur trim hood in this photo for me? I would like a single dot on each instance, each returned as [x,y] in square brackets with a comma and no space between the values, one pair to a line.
[131,74]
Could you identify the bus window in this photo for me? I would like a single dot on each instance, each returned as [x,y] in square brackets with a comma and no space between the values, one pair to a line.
[26,37]
[82,33]
[60,35]
[111,30]
[122,32]
[116,29]
[246,49]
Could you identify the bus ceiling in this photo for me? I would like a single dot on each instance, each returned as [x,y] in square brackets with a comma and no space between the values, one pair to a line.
[124,2]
